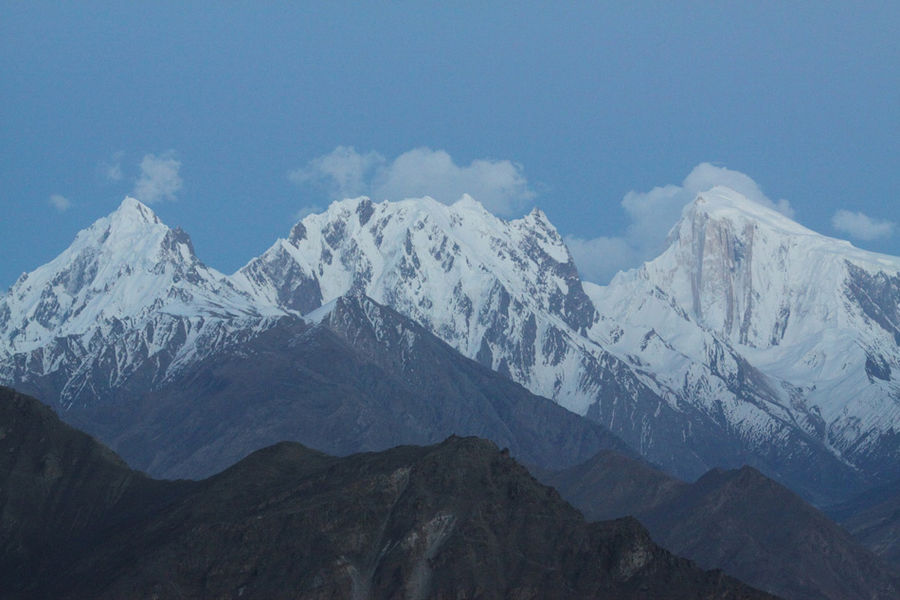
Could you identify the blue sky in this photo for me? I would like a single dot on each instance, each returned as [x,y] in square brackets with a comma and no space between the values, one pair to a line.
[233,119]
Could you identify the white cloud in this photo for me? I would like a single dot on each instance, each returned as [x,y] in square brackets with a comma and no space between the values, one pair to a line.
[652,214]
[159,179]
[705,176]
[598,259]
[60,202]
[860,226]
[345,173]
[500,185]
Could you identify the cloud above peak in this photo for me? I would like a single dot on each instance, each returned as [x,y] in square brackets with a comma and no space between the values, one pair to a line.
[500,185]
[344,172]
[652,214]
[860,226]
[60,202]
[159,179]
[706,176]
[111,169]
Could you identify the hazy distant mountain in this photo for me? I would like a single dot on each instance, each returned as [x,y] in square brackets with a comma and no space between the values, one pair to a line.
[610,485]
[456,520]
[874,519]
[740,521]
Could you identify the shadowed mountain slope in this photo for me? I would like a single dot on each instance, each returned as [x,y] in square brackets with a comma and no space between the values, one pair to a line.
[739,521]
[362,378]
[874,519]
[61,492]
[457,520]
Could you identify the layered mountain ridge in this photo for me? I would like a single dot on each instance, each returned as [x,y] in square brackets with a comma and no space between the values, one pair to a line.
[460,519]
[738,520]
[749,340]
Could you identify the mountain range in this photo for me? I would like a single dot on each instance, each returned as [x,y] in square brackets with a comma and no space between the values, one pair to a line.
[749,340]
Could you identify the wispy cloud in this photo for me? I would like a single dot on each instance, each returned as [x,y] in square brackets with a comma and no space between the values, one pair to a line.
[344,172]
[500,185]
[598,259]
[652,214]
[860,226]
[60,202]
[112,169]
[309,209]
[159,179]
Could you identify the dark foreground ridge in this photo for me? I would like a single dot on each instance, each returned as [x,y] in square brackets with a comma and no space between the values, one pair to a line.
[460,519]
[739,521]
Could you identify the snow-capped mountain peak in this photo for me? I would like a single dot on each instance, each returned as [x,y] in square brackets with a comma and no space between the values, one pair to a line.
[134,211]
[724,203]
[817,318]
[421,248]
[751,274]
[723,207]
[128,239]
[504,292]
[127,266]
